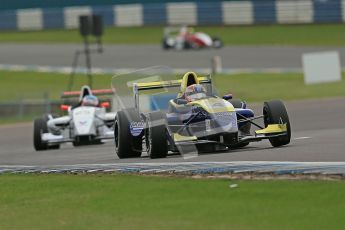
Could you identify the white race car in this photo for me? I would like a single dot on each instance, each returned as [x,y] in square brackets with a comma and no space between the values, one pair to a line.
[86,123]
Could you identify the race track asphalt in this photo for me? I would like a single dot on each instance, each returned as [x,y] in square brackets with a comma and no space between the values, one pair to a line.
[318,135]
[140,56]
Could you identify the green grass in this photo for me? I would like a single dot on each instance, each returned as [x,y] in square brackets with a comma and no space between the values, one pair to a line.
[17,119]
[34,85]
[136,202]
[260,87]
[31,86]
[313,35]
[249,87]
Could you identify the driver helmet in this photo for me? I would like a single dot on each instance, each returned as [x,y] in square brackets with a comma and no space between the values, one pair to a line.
[190,30]
[194,92]
[90,100]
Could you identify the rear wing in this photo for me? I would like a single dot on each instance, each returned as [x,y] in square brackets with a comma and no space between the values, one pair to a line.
[163,84]
[96,92]
[141,86]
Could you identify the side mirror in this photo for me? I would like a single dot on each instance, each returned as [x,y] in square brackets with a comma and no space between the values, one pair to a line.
[64,107]
[181,101]
[105,105]
[227,97]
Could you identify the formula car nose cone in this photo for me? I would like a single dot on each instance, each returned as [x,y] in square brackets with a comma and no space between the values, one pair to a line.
[83,118]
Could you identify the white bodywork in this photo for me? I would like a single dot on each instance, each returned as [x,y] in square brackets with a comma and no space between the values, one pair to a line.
[92,123]
[206,39]
[175,37]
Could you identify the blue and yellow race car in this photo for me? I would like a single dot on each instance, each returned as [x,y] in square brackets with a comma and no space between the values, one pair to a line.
[197,120]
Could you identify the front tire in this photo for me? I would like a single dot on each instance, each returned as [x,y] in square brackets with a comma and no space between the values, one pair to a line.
[165,44]
[156,135]
[275,113]
[127,145]
[40,127]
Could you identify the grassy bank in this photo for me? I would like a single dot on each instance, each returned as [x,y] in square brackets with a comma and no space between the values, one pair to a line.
[134,202]
[249,87]
[313,35]
[31,86]
[261,87]
[34,85]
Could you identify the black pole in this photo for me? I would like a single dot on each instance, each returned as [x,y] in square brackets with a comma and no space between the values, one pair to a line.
[88,60]
[74,66]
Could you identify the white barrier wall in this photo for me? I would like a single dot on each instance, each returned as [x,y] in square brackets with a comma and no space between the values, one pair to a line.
[208,12]
[238,12]
[182,13]
[71,15]
[291,11]
[29,19]
[343,10]
[128,15]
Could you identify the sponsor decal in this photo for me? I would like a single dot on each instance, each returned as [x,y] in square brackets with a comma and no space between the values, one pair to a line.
[136,127]
[82,123]
[226,118]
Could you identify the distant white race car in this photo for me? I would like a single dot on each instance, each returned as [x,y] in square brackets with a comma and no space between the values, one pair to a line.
[86,123]
[184,38]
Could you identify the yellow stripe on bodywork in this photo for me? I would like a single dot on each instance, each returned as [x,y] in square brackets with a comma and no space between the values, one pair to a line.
[179,138]
[176,83]
[273,128]
[208,105]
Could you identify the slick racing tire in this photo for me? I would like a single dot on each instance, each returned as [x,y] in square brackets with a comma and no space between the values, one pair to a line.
[217,43]
[40,127]
[237,103]
[127,145]
[165,44]
[187,45]
[156,135]
[275,113]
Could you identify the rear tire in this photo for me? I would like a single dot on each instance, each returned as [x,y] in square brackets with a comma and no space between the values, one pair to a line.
[187,45]
[275,113]
[217,43]
[127,145]
[231,141]
[40,127]
[237,103]
[156,135]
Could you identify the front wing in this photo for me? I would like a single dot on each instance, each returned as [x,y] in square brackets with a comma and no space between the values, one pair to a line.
[272,130]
